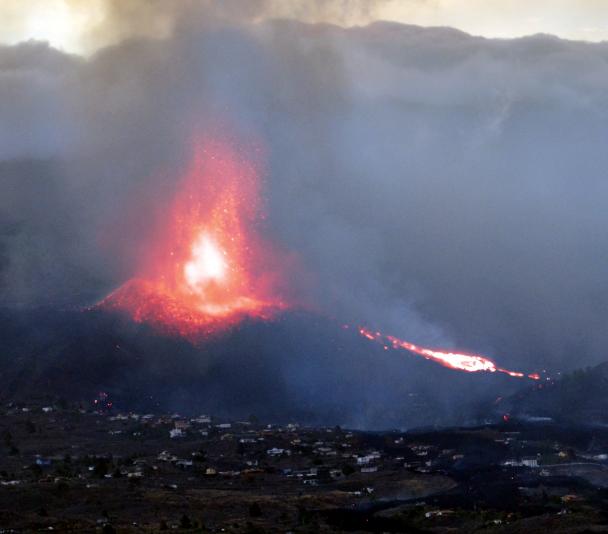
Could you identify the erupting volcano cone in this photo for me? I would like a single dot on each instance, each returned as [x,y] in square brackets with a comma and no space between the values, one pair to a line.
[209,268]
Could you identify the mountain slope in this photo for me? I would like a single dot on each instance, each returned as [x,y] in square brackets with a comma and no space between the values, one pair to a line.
[299,367]
[578,397]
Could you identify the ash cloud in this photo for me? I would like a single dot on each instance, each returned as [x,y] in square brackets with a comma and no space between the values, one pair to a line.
[447,188]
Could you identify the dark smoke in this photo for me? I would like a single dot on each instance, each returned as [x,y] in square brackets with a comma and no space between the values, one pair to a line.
[447,188]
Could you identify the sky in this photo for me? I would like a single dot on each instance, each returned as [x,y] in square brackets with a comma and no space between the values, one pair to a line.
[82,27]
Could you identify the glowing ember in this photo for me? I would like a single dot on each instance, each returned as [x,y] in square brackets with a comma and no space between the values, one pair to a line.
[471,363]
[208,268]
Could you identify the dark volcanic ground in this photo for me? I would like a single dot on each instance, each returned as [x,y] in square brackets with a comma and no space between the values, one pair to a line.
[301,367]
[75,469]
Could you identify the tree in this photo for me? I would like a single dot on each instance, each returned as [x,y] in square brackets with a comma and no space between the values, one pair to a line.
[7,437]
[36,470]
[100,468]
[185,522]
[347,470]
[255,510]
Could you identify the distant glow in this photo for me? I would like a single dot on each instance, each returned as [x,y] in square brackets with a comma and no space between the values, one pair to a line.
[73,26]
[53,22]
[61,23]
[82,26]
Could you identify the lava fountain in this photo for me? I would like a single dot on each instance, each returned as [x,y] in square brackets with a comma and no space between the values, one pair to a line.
[471,363]
[208,267]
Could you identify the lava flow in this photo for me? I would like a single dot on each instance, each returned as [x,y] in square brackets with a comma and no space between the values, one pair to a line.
[471,363]
[208,268]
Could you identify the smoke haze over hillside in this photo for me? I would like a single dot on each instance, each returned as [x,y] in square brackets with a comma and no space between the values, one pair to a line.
[447,188]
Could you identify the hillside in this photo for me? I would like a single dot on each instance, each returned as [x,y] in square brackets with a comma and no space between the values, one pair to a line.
[299,367]
[578,397]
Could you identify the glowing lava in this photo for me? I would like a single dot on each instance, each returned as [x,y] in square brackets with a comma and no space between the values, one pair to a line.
[207,264]
[208,267]
[471,363]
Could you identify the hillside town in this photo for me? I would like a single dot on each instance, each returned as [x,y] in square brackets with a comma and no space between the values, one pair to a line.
[88,467]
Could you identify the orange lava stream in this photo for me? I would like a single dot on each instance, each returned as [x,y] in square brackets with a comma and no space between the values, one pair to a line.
[209,268]
[471,363]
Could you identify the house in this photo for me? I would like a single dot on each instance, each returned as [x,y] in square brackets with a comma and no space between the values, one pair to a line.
[571,498]
[368,458]
[201,420]
[526,461]
[165,456]
[176,433]
[182,425]
[278,452]
[438,513]
[224,425]
[325,451]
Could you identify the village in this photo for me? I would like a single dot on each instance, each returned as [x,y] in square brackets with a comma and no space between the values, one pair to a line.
[91,467]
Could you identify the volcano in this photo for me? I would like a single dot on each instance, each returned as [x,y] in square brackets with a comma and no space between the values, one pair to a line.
[207,323]
[209,269]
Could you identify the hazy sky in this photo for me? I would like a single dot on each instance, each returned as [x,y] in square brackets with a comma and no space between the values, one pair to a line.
[82,26]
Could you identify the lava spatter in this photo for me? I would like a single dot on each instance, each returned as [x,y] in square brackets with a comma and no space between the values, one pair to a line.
[209,267]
